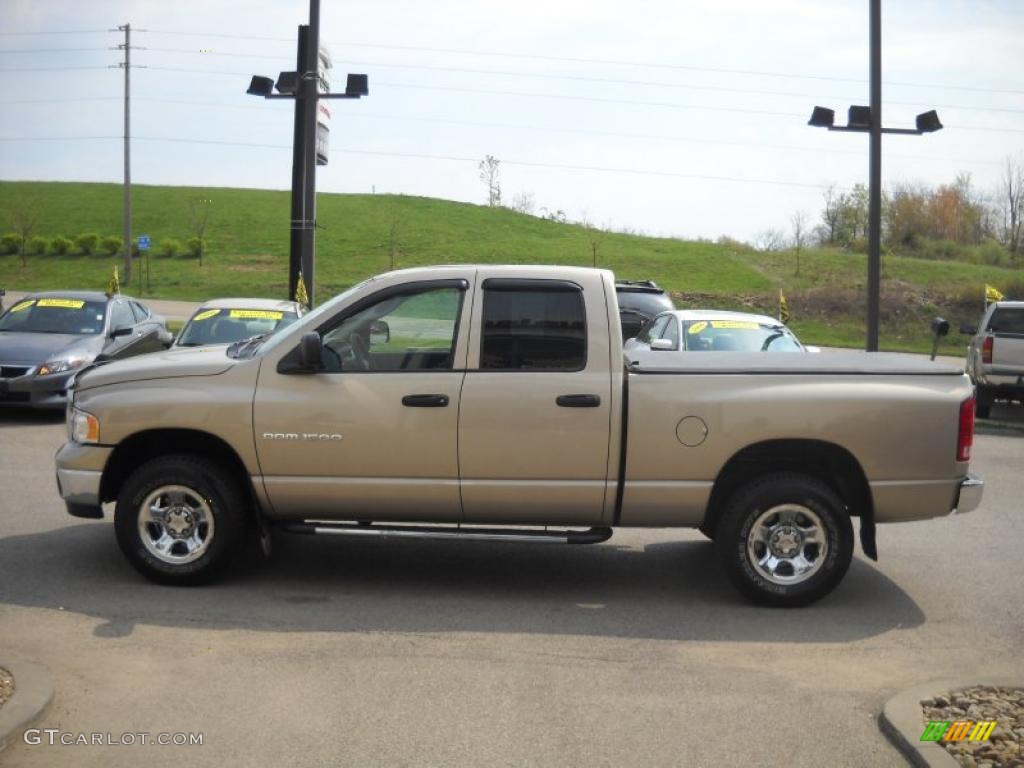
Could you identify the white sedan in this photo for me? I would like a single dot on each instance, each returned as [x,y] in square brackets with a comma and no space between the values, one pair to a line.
[707,330]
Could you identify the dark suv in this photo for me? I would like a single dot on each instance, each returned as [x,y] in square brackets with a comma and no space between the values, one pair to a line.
[639,301]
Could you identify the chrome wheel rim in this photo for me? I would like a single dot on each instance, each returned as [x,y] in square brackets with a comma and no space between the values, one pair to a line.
[787,544]
[175,524]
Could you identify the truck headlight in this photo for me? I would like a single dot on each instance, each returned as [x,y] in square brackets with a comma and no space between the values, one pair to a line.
[84,427]
[60,366]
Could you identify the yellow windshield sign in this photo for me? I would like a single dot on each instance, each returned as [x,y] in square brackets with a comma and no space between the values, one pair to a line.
[698,327]
[743,325]
[62,303]
[205,315]
[256,314]
[23,305]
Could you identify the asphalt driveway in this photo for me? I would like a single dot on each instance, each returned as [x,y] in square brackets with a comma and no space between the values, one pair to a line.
[634,652]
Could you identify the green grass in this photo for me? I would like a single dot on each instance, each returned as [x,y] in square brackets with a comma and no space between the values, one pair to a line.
[247,254]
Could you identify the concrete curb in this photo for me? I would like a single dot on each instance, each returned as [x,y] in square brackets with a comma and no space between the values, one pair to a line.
[902,720]
[33,693]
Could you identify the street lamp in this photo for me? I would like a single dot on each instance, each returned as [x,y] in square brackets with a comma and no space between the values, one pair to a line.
[859,121]
[309,148]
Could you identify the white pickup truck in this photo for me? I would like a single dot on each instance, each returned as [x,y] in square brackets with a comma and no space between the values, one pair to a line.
[995,356]
[493,402]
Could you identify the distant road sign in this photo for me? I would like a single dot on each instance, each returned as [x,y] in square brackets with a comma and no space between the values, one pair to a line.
[143,242]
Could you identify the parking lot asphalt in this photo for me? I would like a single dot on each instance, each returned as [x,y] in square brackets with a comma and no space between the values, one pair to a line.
[633,652]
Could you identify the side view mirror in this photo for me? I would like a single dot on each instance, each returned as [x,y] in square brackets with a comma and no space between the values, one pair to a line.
[124,330]
[311,351]
[664,345]
[380,332]
[967,329]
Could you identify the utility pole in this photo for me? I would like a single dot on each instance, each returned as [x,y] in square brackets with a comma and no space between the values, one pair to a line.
[875,178]
[126,65]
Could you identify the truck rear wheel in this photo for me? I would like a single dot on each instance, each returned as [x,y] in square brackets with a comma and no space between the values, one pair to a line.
[785,540]
[179,519]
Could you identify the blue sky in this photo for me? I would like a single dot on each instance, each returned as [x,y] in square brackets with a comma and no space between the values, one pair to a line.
[695,113]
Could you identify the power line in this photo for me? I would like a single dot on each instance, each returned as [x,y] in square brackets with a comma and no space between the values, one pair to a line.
[452,158]
[539,128]
[45,69]
[49,50]
[585,60]
[55,32]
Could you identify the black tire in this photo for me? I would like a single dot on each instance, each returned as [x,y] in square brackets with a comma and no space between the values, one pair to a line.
[224,502]
[767,493]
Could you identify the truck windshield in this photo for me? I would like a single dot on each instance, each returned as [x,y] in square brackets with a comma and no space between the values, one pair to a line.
[55,315]
[738,336]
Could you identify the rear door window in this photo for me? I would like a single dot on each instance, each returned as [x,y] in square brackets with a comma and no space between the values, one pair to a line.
[533,325]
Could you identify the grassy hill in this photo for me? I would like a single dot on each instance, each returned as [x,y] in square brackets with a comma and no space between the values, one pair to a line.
[247,248]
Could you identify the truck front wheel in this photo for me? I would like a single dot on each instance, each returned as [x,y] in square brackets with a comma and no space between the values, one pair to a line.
[179,519]
[785,540]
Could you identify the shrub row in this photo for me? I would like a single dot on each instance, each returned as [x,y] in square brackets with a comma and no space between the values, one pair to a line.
[91,244]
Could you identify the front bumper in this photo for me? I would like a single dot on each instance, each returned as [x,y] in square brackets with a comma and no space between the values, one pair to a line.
[969,494]
[79,474]
[36,391]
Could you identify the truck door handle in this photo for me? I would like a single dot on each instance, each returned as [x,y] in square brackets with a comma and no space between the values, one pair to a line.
[578,401]
[425,401]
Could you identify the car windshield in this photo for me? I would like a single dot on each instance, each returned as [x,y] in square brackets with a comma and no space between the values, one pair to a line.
[738,336]
[225,326]
[55,315]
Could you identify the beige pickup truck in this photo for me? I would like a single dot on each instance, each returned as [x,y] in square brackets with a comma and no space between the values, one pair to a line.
[494,403]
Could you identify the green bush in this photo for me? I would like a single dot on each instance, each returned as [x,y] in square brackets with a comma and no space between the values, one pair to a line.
[10,243]
[169,247]
[61,245]
[87,243]
[36,246]
[111,245]
[195,247]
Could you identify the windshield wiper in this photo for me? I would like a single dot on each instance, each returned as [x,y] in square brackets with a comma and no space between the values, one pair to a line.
[770,339]
[250,345]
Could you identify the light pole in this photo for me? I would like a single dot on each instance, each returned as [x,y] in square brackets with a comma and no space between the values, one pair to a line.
[303,86]
[869,120]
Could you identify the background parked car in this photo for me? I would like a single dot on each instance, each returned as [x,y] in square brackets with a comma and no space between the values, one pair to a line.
[639,302]
[995,355]
[46,337]
[706,330]
[225,321]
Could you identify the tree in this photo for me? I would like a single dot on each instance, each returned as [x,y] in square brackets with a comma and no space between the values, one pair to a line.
[199,215]
[594,237]
[799,224]
[524,203]
[24,217]
[489,175]
[768,240]
[831,212]
[1010,196]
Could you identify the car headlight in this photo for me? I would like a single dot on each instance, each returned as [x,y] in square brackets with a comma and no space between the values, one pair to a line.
[60,366]
[84,427]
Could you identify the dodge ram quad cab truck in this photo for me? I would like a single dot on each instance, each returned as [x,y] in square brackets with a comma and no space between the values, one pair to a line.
[493,402]
[995,356]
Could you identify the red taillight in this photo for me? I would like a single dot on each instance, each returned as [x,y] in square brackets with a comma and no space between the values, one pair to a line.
[986,349]
[965,436]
